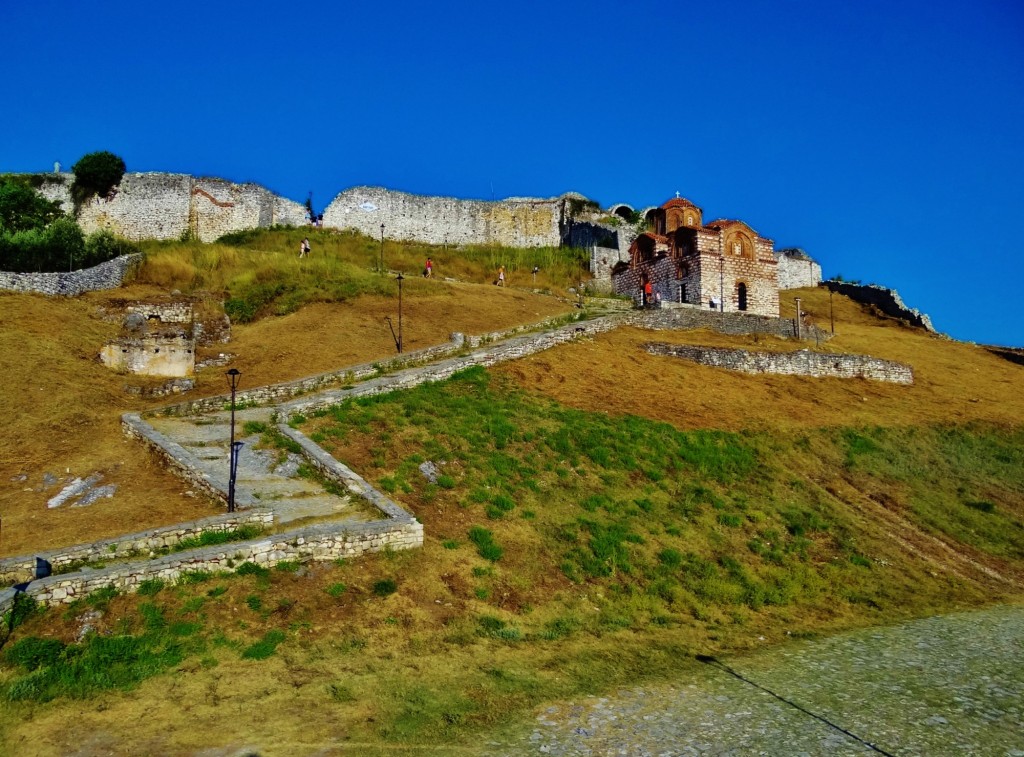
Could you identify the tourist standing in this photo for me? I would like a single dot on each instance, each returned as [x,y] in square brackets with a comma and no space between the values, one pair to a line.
[501,276]
[304,248]
[428,269]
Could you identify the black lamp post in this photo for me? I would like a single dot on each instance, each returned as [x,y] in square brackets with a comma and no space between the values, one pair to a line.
[382,248]
[721,283]
[400,278]
[831,317]
[233,376]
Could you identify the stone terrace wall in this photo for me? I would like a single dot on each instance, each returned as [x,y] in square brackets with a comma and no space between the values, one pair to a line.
[279,392]
[445,220]
[18,569]
[108,275]
[800,363]
[735,322]
[328,541]
[886,300]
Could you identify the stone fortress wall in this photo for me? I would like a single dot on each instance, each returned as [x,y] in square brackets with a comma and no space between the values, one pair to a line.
[514,222]
[796,269]
[887,301]
[171,206]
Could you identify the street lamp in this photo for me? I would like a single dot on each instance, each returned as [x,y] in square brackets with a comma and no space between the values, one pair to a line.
[721,283]
[233,376]
[382,248]
[400,278]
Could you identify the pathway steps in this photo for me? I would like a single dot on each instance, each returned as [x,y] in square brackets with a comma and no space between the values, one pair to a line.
[262,473]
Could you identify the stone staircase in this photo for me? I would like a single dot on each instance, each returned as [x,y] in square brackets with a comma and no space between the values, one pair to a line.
[276,479]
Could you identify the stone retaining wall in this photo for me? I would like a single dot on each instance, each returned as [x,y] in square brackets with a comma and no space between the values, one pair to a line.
[327,541]
[144,543]
[107,275]
[800,363]
[272,393]
[677,317]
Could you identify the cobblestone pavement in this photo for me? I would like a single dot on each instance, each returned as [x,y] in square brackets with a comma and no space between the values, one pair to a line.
[951,685]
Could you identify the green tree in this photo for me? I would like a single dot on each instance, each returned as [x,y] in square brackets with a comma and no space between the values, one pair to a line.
[96,174]
[22,208]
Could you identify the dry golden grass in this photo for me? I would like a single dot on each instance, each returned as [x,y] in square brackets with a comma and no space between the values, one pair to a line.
[64,406]
[953,381]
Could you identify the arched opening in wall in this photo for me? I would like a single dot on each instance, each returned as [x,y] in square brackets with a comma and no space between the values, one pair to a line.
[623,211]
[652,219]
[741,296]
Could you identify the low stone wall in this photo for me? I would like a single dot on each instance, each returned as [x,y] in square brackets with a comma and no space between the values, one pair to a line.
[886,300]
[108,275]
[677,317]
[327,541]
[800,363]
[264,395]
[511,349]
[144,543]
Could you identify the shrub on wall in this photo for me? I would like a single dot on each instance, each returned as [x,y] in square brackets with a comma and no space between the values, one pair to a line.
[96,174]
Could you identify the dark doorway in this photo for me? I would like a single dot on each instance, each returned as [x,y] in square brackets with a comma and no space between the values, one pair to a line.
[741,295]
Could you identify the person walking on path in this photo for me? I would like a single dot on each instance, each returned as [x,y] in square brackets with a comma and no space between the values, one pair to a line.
[501,276]
[428,269]
[304,248]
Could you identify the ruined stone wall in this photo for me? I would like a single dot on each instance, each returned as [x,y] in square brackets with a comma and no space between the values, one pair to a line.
[602,261]
[168,355]
[800,363]
[220,207]
[169,206]
[888,301]
[446,220]
[166,312]
[108,275]
[796,269]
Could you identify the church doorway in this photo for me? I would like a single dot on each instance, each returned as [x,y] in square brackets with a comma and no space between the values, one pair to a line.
[741,295]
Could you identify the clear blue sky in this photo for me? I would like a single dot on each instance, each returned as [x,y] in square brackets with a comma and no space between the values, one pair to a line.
[885,138]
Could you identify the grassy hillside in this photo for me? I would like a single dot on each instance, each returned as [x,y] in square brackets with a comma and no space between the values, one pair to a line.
[63,406]
[602,516]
